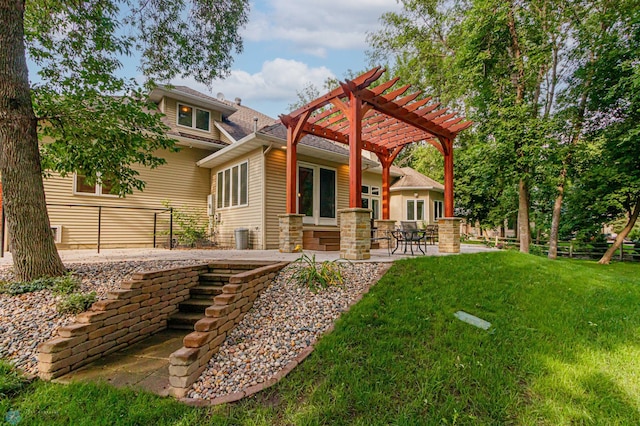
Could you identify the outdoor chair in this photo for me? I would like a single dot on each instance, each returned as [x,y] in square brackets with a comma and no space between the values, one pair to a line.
[432,233]
[408,235]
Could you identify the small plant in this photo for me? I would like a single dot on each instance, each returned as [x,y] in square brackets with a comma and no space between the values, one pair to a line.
[190,228]
[65,285]
[317,276]
[75,303]
[59,285]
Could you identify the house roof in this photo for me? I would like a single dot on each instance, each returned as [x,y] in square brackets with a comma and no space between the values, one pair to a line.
[280,131]
[414,180]
[241,123]
[186,94]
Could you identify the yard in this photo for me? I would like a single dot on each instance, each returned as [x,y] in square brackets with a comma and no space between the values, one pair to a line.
[563,348]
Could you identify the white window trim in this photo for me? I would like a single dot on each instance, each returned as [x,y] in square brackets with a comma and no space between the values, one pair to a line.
[239,185]
[193,117]
[415,209]
[370,196]
[97,193]
[316,219]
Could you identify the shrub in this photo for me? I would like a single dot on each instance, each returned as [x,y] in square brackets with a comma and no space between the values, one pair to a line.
[316,277]
[75,303]
[190,228]
[59,285]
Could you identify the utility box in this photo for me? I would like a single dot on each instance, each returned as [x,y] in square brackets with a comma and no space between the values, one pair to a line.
[242,238]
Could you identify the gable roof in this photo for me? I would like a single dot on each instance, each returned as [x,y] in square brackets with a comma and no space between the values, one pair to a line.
[280,131]
[413,179]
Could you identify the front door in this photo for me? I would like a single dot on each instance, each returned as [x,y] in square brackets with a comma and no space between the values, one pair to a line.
[317,194]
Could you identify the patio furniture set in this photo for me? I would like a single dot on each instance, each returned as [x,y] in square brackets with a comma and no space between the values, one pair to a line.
[409,235]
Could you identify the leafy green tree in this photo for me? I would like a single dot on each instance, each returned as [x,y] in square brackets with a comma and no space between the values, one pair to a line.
[93,120]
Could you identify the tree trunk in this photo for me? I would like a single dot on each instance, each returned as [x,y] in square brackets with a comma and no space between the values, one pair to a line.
[555,217]
[33,249]
[606,258]
[524,231]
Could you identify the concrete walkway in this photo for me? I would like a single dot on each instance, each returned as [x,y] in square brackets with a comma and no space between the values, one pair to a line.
[117,255]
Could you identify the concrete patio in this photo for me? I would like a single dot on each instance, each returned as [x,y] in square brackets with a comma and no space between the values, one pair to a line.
[118,255]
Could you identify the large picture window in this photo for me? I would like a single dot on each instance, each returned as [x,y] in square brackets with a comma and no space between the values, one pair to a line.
[193,117]
[82,187]
[317,194]
[232,187]
[415,210]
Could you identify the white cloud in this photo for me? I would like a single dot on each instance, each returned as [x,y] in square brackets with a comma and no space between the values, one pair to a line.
[278,80]
[315,25]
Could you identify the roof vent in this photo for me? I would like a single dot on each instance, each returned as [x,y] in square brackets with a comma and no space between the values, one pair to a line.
[220,96]
[238,101]
[255,124]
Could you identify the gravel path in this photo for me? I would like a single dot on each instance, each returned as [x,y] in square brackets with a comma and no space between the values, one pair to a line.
[285,319]
[28,319]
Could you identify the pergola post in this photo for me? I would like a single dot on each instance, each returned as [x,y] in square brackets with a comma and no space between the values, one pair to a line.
[386,187]
[292,175]
[448,178]
[355,151]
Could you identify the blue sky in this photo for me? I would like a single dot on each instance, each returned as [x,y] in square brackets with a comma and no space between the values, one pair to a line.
[289,43]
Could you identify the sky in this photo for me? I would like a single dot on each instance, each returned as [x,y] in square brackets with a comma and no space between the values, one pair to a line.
[291,43]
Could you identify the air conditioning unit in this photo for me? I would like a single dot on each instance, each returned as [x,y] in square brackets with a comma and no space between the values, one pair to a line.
[56,230]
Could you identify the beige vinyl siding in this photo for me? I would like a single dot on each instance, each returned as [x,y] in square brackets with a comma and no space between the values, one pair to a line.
[170,110]
[179,181]
[276,187]
[249,216]
[399,203]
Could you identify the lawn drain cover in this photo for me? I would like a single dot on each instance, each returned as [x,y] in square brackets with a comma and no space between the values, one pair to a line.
[473,320]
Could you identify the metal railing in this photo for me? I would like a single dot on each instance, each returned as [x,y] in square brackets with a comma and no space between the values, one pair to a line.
[157,211]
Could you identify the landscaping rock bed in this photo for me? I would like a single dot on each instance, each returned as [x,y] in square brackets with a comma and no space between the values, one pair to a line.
[286,318]
[28,319]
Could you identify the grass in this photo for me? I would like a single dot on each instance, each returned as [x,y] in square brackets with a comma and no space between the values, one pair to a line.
[564,348]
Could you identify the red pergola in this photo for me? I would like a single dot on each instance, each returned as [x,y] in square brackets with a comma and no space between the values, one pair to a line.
[370,119]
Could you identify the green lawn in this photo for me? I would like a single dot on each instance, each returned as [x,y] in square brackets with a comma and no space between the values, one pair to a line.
[564,348]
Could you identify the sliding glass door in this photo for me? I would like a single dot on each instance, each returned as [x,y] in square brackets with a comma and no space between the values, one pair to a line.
[317,189]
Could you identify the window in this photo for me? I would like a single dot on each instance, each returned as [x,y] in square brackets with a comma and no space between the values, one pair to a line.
[371,200]
[232,186]
[317,189]
[193,117]
[415,209]
[438,210]
[82,187]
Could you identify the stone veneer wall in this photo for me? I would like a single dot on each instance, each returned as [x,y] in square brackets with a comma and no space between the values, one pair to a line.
[355,233]
[290,233]
[449,235]
[134,312]
[229,308]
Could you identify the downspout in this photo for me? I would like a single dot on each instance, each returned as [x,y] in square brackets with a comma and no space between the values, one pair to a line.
[264,196]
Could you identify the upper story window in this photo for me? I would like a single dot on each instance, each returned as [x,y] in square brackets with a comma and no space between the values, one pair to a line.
[193,117]
[82,187]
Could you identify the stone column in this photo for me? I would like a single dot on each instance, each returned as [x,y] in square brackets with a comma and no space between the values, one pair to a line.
[384,230]
[449,235]
[355,233]
[290,233]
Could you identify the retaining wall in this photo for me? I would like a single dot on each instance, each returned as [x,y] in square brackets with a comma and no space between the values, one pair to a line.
[137,310]
[229,308]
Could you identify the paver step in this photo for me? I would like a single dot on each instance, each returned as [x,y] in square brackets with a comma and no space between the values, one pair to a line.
[184,320]
[201,291]
[195,305]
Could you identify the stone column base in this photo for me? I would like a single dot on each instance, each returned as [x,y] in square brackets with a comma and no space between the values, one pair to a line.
[449,235]
[384,230]
[290,233]
[355,233]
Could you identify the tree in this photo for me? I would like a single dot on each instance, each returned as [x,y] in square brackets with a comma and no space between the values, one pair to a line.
[495,58]
[78,46]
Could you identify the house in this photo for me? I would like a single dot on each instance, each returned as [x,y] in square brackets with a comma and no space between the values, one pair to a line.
[230,171]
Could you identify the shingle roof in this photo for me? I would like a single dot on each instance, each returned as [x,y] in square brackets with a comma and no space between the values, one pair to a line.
[414,179]
[201,95]
[240,123]
[280,131]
